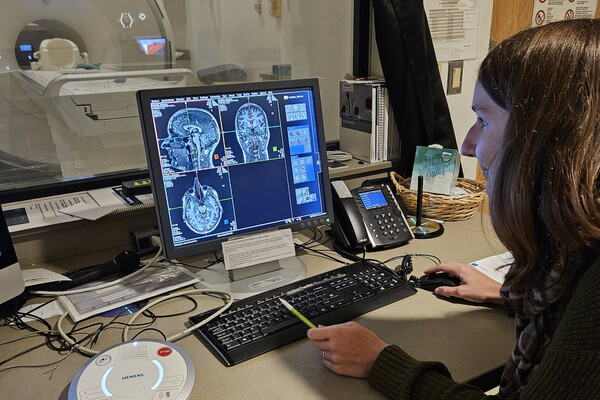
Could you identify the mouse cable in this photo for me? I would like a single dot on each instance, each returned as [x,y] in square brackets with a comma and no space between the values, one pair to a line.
[429,256]
[102,285]
[353,257]
[350,256]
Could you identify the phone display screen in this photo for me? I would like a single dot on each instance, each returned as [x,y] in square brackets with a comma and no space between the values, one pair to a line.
[373,199]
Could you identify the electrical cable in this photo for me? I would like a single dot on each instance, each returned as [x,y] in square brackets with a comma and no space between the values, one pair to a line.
[22,352]
[338,155]
[320,253]
[149,329]
[429,256]
[34,334]
[88,351]
[193,327]
[74,344]
[35,366]
[95,334]
[212,263]
[150,314]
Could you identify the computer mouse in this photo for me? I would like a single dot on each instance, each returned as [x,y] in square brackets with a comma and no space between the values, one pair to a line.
[432,281]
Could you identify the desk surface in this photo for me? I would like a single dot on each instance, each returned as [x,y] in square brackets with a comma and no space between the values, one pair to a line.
[469,339]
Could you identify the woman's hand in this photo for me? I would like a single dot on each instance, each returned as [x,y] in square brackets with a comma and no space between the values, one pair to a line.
[347,349]
[475,286]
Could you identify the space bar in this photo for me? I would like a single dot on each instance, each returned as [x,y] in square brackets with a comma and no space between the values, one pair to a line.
[280,326]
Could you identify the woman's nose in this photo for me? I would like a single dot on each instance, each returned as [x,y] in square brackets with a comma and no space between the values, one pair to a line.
[468,145]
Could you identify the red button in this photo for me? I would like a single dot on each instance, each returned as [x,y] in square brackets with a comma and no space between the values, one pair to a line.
[164,351]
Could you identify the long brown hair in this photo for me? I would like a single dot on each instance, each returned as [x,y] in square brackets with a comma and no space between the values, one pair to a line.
[544,196]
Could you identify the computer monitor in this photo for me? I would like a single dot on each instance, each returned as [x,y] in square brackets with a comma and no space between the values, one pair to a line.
[236,159]
[11,279]
[152,45]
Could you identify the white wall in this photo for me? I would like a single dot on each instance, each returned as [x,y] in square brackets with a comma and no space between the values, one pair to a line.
[459,104]
[314,36]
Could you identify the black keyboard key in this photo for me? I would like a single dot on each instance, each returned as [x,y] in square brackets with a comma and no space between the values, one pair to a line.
[279,325]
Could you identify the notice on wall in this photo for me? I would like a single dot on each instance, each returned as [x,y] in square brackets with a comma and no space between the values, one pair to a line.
[546,11]
[453,27]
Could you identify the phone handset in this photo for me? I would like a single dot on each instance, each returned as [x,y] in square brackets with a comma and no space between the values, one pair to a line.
[349,224]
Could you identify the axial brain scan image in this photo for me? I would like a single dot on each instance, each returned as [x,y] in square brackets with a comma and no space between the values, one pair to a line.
[202,210]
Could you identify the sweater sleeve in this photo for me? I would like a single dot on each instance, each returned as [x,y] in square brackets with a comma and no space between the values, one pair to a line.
[570,369]
[399,376]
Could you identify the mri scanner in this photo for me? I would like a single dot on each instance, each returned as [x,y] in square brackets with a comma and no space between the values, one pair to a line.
[69,70]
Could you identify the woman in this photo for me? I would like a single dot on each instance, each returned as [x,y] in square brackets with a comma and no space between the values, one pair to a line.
[537,139]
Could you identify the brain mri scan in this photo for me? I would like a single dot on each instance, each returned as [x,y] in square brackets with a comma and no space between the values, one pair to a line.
[202,210]
[193,137]
[252,131]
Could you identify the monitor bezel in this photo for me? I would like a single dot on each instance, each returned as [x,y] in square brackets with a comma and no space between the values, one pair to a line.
[144,97]
[11,277]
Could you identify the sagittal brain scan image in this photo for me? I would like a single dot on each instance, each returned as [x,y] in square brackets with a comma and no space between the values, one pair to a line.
[193,137]
[202,210]
[252,132]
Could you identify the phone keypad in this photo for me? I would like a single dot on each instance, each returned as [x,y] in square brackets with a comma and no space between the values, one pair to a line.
[386,225]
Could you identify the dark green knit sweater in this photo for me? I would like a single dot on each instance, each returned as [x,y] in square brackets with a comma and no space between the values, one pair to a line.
[570,368]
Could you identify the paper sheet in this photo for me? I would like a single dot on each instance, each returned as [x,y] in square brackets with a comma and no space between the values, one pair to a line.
[42,212]
[453,26]
[51,309]
[106,201]
[496,266]
[38,276]
[149,283]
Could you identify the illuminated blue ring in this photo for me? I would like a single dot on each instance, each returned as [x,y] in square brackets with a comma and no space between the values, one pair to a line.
[103,383]
[160,375]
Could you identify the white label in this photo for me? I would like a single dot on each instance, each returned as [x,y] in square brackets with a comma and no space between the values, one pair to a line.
[256,249]
[266,282]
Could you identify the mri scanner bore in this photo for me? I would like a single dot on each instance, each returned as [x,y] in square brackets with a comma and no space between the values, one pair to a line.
[69,71]
[205,138]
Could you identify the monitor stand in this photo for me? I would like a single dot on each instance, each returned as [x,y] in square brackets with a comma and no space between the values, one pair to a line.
[281,273]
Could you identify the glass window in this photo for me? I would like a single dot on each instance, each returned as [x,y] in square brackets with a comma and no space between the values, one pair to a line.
[69,71]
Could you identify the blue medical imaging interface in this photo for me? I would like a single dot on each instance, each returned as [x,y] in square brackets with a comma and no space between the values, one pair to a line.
[373,199]
[237,162]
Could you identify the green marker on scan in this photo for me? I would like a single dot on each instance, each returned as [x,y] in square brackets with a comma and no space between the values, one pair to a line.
[297,313]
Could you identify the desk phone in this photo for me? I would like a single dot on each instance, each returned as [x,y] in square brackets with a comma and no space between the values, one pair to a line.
[368,216]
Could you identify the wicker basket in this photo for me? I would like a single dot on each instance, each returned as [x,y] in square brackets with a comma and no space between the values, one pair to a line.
[446,208]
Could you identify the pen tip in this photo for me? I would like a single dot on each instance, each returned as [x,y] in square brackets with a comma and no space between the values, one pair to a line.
[285,303]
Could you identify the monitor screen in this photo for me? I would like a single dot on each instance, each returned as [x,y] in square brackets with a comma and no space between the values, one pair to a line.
[152,45]
[234,159]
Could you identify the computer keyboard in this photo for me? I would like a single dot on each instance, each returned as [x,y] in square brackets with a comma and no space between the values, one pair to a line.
[261,323]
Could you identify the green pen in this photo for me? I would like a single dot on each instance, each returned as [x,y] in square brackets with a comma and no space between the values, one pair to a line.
[297,313]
